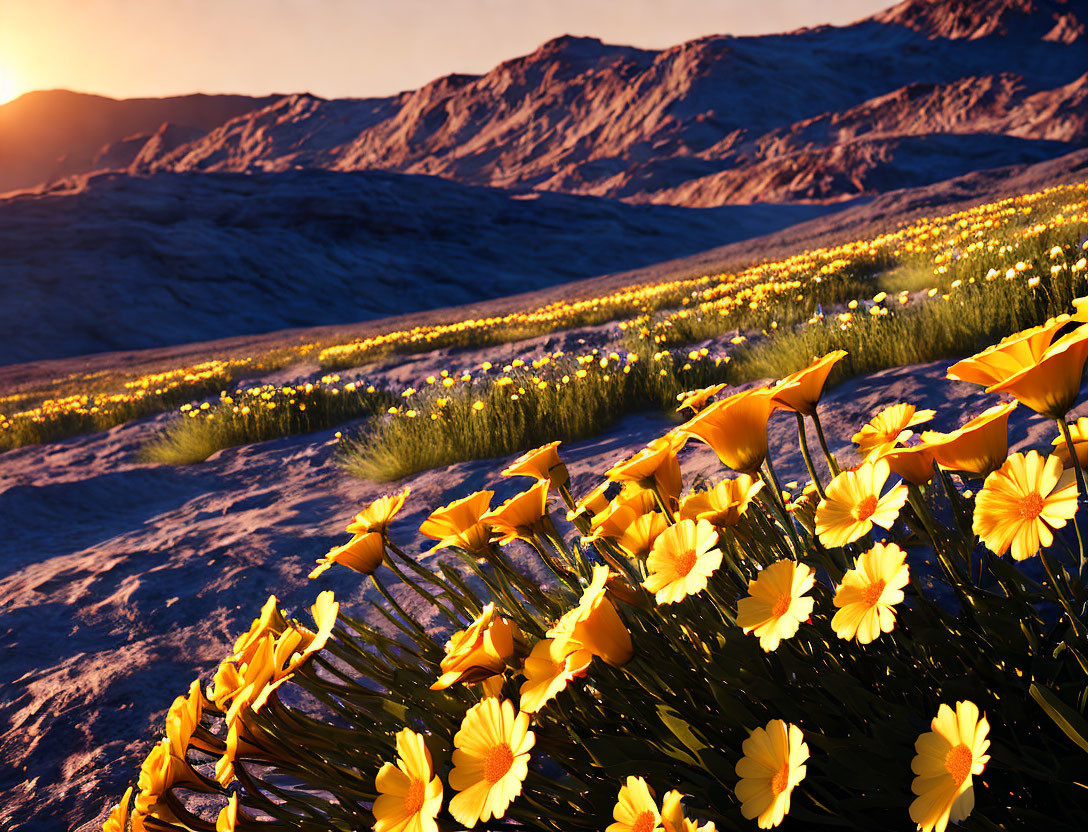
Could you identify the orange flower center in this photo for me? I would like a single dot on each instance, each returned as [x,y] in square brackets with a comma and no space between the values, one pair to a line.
[644,822]
[685,562]
[498,761]
[413,798]
[1031,505]
[781,780]
[873,592]
[781,606]
[865,508]
[958,762]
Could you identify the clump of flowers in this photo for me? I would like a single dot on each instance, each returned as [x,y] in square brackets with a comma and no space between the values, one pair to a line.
[559,660]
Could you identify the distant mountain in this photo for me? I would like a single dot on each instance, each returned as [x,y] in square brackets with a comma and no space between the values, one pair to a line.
[926,90]
[54,133]
[922,91]
[125,262]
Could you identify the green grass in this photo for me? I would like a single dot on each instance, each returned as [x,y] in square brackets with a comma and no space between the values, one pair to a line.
[974,315]
[521,414]
[258,414]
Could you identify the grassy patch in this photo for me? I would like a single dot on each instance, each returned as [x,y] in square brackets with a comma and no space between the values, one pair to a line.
[522,407]
[260,413]
[490,419]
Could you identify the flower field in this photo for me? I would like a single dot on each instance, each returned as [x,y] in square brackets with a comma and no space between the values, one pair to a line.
[886,292]
[897,643]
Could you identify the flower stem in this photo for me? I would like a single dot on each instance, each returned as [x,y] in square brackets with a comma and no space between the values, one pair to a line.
[776,499]
[831,463]
[1082,494]
[808,456]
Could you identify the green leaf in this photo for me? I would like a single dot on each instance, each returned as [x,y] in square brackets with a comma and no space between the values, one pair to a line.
[1072,723]
[680,729]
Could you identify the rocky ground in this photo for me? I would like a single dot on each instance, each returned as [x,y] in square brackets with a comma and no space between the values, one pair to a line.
[120,582]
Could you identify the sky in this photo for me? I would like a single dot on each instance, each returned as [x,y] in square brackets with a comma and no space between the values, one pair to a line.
[341,48]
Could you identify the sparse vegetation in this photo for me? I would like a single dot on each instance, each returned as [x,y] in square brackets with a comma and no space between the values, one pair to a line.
[259,413]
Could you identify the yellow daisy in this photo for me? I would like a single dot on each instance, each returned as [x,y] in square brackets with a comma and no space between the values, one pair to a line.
[548,670]
[672,815]
[890,428]
[725,503]
[118,819]
[364,553]
[541,463]
[635,809]
[594,625]
[377,516]
[1023,502]
[776,606]
[854,503]
[947,758]
[772,766]
[480,651]
[868,593]
[490,761]
[409,793]
[684,556]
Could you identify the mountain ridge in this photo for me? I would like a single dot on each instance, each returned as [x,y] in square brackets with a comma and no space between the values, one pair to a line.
[688,122]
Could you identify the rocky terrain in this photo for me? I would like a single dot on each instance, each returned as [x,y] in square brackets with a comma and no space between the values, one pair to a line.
[926,90]
[121,582]
[122,262]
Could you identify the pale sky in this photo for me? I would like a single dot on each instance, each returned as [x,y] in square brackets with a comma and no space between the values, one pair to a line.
[340,48]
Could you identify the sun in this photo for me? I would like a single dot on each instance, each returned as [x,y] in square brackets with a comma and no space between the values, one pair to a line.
[9,88]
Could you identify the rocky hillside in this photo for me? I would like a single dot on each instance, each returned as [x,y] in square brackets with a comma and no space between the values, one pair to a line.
[923,91]
[124,262]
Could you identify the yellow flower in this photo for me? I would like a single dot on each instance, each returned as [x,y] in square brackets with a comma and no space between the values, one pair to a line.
[118,819]
[913,464]
[672,815]
[490,761]
[231,817]
[947,758]
[635,809]
[979,447]
[377,516]
[682,559]
[1023,502]
[409,793]
[889,428]
[736,429]
[654,466]
[1078,431]
[776,606]
[461,523]
[697,399]
[1050,386]
[772,766]
[868,593]
[724,504]
[594,625]
[854,503]
[364,553]
[801,391]
[548,670]
[542,463]
[1012,354]
[521,515]
[479,651]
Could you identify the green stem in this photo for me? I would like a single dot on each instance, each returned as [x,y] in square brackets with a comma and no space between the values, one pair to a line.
[399,609]
[787,521]
[808,456]
[1078,626]
[1082,494]
[831,463]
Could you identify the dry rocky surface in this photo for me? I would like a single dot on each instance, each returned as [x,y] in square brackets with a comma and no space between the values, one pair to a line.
[121,582]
